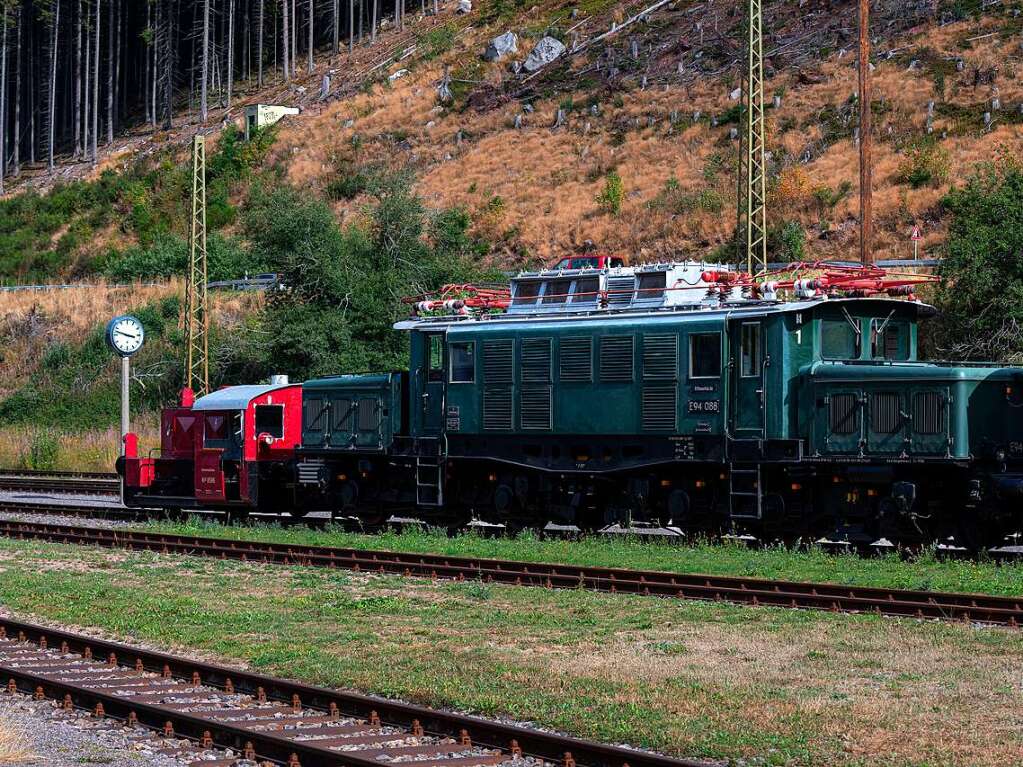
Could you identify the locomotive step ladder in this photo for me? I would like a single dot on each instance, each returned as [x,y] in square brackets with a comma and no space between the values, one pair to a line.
[745,494]
[430,461]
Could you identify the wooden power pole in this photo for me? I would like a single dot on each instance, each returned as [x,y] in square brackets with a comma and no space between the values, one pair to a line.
[866,218]
[197,318]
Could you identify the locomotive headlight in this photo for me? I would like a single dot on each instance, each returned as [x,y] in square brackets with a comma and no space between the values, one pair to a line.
[700,484]
[665,483]
[796,487]
[1000,455]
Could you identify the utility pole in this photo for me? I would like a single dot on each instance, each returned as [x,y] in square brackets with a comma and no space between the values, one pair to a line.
[197,319]
[866,217]
[751,213]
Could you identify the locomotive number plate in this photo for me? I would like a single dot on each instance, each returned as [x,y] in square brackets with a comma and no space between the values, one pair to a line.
[704,406]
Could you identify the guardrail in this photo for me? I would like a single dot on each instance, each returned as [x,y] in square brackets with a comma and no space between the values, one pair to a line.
[256,282]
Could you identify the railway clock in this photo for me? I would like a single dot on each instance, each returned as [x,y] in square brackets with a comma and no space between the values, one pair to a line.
[125,335]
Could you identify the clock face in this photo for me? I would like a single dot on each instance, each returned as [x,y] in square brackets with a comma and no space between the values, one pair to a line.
[126,335]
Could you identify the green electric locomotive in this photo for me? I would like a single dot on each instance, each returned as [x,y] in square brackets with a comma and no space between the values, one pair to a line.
[678,398]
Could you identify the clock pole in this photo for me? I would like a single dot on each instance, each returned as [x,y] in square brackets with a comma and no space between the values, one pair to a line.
[125,410]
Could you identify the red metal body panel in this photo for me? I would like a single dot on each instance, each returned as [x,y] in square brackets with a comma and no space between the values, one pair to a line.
[275,448]
[209,476]
[178,433]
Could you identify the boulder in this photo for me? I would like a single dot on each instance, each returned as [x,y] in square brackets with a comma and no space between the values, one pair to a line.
[464,6]
[543,53]
[501,46]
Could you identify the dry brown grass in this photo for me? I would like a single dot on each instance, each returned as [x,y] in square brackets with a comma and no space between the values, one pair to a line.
[548,178]
[14,746]
[91,450]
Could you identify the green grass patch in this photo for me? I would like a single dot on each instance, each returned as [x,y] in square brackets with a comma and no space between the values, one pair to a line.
[920,572]
[767,686]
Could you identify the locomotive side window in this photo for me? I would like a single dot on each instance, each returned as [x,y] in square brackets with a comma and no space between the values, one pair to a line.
[750,343]
[463,362]
[270,420]
[705,355]
[436,352]
[840,340]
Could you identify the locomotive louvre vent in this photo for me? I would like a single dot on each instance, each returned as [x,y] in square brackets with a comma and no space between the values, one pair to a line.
[928,412]
[497,408]
[885,417]
[535,407]
[660,357]
[620,290]
[576,360]
[341,415]
[660,406]
[498,361]
[536,360]
[368,419]
[844,414]
[616,358]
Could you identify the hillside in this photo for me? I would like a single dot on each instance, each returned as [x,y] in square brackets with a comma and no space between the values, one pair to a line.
[506,172]
[653,103]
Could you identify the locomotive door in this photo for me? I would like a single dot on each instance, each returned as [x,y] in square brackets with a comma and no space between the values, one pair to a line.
[430,383]
[748,416]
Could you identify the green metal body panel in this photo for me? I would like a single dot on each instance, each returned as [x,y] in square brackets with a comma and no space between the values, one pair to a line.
[352,412]
[593,406]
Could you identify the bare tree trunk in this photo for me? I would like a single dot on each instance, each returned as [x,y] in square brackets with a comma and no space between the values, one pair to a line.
[95,88]
[3,96]
[53,80]
[86,80]
[110,72]
[204,69]
[16,161]
[294,38]
[336,44]
[351,26]
[78,82]
[167,29]
[247,26]
[230,49]
[287,39]
[373,23]
[259,48]
[310,35]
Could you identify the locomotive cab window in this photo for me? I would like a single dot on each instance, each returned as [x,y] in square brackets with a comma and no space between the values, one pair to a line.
[840,339]
[889,340]
[463,362]
[705,355]
[270,420]
[750,348]
[436,357]
[223,430]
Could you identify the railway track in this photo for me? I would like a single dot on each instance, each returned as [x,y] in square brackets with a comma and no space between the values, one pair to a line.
[976,608]
[263,718]
[87,482]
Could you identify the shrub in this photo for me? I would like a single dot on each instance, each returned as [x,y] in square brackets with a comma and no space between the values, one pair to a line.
[43,451]
[611,197]
[925,162]
[674,199]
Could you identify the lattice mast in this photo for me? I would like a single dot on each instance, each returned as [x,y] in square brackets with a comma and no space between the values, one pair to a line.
[751,225]
[197,319]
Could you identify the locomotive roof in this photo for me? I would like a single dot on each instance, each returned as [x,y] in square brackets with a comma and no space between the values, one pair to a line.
[689,313]
[236,397]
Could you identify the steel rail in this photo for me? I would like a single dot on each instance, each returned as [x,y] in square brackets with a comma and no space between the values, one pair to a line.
[100,483]
[977,608]
[188,710]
